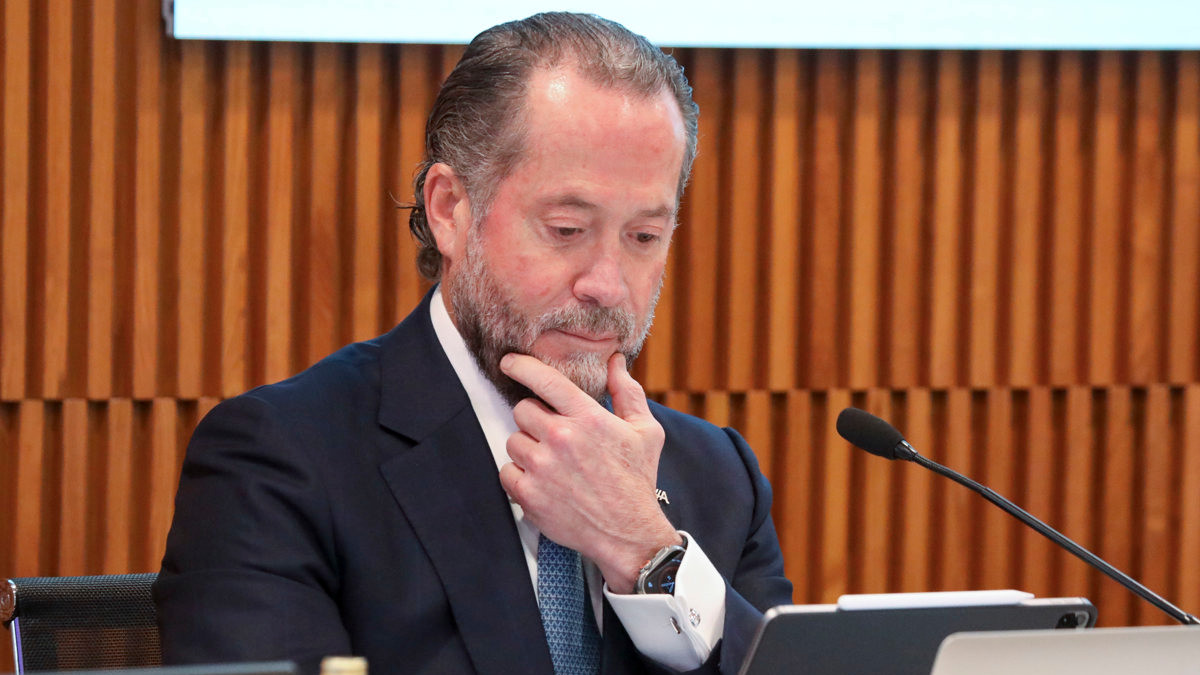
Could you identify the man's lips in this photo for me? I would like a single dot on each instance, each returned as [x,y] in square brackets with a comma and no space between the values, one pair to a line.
[601,339]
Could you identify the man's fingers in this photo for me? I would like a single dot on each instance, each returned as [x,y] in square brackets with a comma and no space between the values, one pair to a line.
[628,397]
[520,447]
[510,478]
[533,417]
[552,386]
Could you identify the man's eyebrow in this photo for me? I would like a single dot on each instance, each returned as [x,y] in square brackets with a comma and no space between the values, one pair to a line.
[571,202]
[577,202]
[663,211]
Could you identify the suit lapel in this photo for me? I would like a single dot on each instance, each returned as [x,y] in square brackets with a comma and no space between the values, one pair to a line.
[448,488]
[670,488]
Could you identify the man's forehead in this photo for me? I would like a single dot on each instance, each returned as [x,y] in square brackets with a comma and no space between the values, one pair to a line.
[565,83]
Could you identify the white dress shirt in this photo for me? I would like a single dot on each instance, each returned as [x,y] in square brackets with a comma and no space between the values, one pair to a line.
[678,631]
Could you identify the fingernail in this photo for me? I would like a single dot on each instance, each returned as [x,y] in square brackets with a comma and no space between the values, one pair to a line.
[505,360]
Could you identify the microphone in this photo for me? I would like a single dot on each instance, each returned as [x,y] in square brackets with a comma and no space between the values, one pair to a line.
[866,431]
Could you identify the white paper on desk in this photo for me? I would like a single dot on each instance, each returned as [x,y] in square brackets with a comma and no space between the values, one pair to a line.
[936,599]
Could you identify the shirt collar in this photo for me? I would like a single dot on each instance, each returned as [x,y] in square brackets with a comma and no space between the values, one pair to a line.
[494,413]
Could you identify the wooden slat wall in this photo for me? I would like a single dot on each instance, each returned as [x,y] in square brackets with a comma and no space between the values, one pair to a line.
[998,250]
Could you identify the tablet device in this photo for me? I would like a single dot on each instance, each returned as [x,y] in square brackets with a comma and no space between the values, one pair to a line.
[901,641]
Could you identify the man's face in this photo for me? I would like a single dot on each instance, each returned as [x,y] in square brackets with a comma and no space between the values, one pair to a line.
[568,261]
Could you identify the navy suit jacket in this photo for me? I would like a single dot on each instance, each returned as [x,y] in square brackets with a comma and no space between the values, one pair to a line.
[356,509]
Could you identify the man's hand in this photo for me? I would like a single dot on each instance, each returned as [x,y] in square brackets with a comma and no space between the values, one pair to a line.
[584,476]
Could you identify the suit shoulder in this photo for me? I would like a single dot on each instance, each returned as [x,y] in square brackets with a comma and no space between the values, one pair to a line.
[685,424]
[693,434]
[695,440]
[339,380]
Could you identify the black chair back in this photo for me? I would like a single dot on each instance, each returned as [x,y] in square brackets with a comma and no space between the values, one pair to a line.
[77,623]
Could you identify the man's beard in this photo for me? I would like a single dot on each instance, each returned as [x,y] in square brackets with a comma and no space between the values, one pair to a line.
[492,325]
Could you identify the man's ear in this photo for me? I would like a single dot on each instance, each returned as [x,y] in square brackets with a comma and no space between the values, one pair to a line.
[447,210]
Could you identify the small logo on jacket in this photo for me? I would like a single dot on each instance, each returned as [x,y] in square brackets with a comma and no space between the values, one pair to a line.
[662,496]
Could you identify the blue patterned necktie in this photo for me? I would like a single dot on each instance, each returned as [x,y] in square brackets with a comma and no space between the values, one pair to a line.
[570,631]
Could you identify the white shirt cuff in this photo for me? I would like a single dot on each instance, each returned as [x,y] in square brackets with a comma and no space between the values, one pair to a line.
[678,631]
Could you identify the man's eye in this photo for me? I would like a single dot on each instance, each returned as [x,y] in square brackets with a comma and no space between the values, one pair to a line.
[646,237]
[567,232]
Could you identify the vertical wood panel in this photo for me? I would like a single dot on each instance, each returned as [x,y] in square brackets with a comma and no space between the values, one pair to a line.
[699,236]
[783,253]
[1028,195]
[1076,479]
[1183,347]
[744,222]
[947,207]
[235,215]
[797,499]
[826,227]
[1154,528]
[146,205]
[450,54]
[30,530]
[8,483]
[876,529]
[1037,563]
[56,225]
[1066,232]
[164,476]
[918,514]
[118,485]
[654,366]
[366,224]
[865,222]
[1107,249]
[101,261]
[1189,527]
[793,496]
[281,111]
[1119,469]
[836,488]
[756,428]
[322,284]
[908,249]
[985,210]
[716,408]
[14,213]
[958,529]
[996,557]
[73,505]
[193,216]
[1149,171]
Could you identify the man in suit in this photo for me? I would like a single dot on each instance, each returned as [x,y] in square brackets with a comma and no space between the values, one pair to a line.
[485,488]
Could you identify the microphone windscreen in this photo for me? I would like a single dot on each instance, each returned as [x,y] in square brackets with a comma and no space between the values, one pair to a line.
[869,432]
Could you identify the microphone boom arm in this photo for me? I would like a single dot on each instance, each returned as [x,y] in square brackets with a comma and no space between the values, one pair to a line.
[906,452]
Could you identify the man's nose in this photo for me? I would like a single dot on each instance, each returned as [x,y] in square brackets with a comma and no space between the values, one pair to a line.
[602,280]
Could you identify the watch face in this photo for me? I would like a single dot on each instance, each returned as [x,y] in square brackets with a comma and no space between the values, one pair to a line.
[662,580]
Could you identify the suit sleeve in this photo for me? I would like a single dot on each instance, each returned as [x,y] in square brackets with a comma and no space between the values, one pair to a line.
[248,572]
[758,583]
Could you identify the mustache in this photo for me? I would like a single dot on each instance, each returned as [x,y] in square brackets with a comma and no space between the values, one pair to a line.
[591,320]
